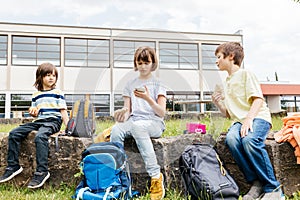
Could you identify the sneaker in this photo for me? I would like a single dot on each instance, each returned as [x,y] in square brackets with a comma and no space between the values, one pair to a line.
[157,189]
[10,172]
[276,195]
[38,180]
[255,191]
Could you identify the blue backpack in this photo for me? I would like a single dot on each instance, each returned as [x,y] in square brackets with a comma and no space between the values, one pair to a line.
[106,173]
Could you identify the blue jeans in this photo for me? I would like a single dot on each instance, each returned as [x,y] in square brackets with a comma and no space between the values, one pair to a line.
[141,131]
[44,128]
[250,153]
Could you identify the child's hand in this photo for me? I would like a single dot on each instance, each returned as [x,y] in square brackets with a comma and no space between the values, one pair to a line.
[141,94]
[218,94]
[246,127]
[33,111]
[120,114]
[217,97]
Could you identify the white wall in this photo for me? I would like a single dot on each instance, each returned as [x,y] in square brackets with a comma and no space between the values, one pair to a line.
[3,77]
[274,104]
[91,80]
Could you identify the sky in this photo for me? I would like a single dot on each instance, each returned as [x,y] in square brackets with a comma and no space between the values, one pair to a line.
[270,28]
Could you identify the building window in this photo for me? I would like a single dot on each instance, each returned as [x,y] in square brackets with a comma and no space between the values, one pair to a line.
[3,50]
[35,50]
[208,56]
[100,102]
[86,52]
[118,101]
[21,103]
[124,52]
[2,105]
[178,56]
[290,103]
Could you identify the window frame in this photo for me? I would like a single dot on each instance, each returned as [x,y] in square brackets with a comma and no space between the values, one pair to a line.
[209,54]
[125,60]
[4,50]
[179,53]
[87,47]
[36,43]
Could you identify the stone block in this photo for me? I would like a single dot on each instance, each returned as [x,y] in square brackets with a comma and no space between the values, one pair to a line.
[282,158]
[168,151]
[63,163]
[285,166]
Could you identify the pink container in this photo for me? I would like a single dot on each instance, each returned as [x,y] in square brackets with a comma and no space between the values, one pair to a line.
[194,127]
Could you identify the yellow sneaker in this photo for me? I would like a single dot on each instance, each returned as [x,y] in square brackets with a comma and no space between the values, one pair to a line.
[157,189]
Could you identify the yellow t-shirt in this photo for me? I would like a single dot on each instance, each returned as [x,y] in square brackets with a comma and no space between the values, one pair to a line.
[239,89]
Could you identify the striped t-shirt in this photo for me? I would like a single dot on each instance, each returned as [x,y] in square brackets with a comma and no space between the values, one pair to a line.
[49,103]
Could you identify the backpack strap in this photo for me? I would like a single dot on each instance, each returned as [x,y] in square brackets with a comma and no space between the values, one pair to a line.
[81,191]
[86,108]
[76,108]
[56,144]
[129,177]
[86,115]
[107,191]
[57,147]
[87,105]
[222,169]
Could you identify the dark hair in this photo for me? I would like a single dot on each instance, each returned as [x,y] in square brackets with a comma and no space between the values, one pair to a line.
[41,72]
[145,54]
[234,48]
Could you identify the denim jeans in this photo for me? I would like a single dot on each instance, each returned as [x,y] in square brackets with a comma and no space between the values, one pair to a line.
[250,153]
[141,131]
[44,128]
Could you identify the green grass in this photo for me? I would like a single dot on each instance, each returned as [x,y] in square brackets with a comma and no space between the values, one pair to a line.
[12,192]
[215,125]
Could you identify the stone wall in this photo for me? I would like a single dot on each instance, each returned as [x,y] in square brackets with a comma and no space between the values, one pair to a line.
[63,162]
[282,158]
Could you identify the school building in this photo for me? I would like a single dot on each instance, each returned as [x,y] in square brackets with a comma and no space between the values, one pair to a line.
[99,61]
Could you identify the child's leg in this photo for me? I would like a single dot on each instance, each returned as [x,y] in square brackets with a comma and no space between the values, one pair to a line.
[142,132]
[120,131]
[235,145]
[16,136]
[48,127]
[254,147]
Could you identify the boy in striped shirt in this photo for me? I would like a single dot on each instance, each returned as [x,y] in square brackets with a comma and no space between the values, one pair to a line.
[50,109]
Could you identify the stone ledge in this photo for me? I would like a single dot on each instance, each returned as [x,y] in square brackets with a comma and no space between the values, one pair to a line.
[282,158]
[64,163]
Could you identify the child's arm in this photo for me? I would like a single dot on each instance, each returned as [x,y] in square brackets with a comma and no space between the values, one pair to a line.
[122,114]
[217,99]
[248,122]
[64,115]
[159,107]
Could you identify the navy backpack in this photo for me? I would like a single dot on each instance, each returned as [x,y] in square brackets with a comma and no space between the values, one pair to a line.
[204,175]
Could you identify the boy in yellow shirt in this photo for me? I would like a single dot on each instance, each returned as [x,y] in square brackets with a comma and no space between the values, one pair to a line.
[243,102]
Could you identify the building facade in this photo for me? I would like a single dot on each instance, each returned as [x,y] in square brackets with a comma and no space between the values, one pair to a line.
[99,61]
